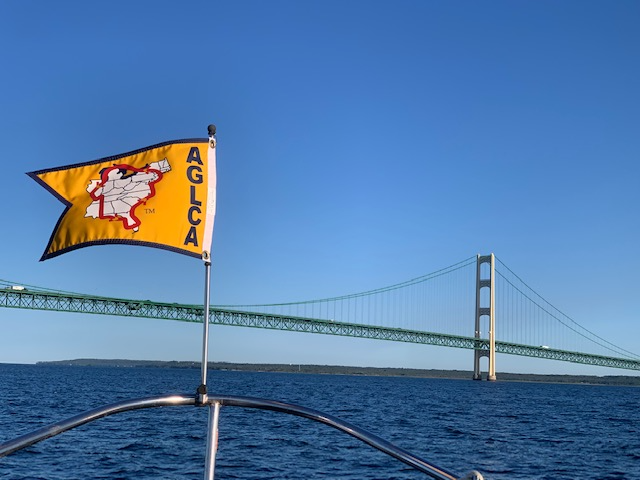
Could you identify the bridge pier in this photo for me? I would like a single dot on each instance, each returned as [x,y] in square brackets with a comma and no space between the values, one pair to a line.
[480,349]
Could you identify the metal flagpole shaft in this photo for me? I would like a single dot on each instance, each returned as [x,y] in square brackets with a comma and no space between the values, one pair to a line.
[212,433]
[202,390]
[211,156]
[212,441]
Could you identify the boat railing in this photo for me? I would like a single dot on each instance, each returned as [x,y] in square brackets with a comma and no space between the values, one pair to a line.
[215,403]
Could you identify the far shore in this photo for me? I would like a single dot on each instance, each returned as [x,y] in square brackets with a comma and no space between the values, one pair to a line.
[614,380]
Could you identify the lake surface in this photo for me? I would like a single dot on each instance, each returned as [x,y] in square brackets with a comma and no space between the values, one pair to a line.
[504,430]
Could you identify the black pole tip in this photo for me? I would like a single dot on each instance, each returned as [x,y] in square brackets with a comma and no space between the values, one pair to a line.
[212,129]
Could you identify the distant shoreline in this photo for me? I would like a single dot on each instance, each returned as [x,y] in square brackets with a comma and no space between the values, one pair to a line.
[613,380]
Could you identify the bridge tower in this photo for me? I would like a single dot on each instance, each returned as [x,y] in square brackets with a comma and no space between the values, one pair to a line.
[483,310]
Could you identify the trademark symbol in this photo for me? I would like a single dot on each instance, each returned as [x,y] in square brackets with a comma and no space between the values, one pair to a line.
[149,210]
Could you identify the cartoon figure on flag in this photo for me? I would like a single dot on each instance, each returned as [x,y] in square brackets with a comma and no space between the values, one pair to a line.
[161,196]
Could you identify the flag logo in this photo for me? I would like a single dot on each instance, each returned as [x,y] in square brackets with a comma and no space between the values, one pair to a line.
[161,196]
[123,188]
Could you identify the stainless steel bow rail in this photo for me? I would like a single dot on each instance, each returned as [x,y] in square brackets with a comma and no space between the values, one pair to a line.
[215,403]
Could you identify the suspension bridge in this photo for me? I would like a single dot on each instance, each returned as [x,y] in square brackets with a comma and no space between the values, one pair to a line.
[477,304]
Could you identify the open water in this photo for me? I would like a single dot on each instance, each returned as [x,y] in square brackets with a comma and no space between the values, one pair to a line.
[505,430]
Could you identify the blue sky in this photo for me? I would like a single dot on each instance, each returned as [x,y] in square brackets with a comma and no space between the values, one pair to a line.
[360,144]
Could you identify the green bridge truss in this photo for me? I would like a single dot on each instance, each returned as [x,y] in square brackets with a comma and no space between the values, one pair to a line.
[63,302]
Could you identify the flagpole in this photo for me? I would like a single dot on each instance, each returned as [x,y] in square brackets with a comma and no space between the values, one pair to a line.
[202,397]
[206,257]
[214,410]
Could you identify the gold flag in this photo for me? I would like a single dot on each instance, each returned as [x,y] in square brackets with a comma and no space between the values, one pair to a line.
[161,196]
